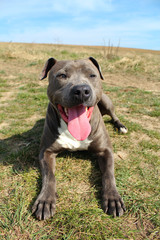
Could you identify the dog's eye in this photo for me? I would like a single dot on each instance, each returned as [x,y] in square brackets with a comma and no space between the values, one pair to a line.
[92,75]
[62,75]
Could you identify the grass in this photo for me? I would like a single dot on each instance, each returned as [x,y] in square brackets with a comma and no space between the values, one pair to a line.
[134,90]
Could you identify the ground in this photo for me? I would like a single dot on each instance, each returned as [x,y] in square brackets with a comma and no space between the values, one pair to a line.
[132,81]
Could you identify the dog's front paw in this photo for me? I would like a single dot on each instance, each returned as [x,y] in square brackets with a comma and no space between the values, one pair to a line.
[123,129]
[120,127]
[113,204]
[44,208]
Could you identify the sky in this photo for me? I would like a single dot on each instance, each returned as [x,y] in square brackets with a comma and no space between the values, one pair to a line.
[128,23]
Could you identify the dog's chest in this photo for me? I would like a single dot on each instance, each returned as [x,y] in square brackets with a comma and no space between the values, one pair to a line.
[67,141]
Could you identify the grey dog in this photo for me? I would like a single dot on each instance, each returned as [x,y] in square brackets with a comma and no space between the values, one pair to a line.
[74,122]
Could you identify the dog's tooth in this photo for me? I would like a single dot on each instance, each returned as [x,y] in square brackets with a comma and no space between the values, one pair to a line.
[86,109]
[66,111]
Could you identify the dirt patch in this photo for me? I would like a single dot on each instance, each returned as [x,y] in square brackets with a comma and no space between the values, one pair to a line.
[3,125]
[33,118]
[122,80]
[121,155]
[147,122]
[6,96]
[139,137]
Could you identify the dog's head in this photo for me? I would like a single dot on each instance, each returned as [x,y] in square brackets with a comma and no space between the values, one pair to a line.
[74,89]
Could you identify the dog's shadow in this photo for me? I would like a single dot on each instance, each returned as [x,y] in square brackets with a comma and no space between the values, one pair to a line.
[21,152]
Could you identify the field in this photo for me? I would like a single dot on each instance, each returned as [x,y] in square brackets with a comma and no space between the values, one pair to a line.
[132,81]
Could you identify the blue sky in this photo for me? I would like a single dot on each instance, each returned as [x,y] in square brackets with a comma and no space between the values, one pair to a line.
[133,23]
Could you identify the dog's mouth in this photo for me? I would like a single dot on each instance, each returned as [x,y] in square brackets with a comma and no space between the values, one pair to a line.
[77,119]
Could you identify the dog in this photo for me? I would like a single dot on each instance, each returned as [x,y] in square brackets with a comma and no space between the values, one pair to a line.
[74,122]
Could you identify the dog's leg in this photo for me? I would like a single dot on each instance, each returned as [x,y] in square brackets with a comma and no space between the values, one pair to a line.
[112,203]
[44,206]
[106,107]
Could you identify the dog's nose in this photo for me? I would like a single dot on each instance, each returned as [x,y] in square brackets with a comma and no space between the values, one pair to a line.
[81,92]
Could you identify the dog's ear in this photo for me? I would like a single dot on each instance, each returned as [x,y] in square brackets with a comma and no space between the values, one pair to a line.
[47,67]
[93,60]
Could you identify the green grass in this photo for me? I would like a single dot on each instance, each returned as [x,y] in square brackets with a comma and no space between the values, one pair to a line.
[78,213]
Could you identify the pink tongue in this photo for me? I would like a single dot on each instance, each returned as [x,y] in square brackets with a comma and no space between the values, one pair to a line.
[78,123]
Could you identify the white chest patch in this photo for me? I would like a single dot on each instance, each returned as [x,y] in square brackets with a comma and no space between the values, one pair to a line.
[66,140]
